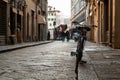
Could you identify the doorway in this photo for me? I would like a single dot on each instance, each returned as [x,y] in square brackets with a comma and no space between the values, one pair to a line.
[39,32]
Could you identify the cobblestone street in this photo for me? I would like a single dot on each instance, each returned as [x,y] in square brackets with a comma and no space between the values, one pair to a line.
[45,62]
[44,40]
[53,61]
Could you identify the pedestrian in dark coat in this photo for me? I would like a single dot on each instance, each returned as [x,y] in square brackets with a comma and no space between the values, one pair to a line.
[48,35]
[63,36]
[67,35]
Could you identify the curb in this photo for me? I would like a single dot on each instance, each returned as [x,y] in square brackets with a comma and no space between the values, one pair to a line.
[24,46]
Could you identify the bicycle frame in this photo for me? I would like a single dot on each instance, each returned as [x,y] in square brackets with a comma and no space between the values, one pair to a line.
[79,52]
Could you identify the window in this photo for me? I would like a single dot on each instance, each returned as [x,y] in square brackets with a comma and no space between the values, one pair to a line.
[49,9]
[52,14]
[50,24]
[52,19]
[48,19]
[12,2]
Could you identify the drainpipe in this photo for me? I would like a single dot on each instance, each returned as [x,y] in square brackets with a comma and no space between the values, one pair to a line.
[99,23]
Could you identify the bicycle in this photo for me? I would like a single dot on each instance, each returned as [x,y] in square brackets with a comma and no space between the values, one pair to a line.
[79,51]
[80,45]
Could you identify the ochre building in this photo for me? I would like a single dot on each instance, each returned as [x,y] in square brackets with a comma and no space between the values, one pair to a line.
[23,21]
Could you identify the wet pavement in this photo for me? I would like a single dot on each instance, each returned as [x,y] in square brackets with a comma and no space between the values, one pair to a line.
[53,62]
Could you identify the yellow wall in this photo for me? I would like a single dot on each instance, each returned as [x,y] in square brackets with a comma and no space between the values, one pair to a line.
[116,25]
[31,5]
[96,22]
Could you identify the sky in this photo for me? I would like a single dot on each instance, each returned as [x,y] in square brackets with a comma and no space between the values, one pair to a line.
[62,5]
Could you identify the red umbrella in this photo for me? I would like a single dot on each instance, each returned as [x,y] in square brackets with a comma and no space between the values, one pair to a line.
[63,26]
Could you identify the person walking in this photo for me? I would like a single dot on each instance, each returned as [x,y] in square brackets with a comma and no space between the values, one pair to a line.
[67,36]
[63,36]
[48,35]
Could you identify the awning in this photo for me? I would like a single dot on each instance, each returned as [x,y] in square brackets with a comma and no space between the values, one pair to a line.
[41,19]
[17,12]
[21,13]
[14,10]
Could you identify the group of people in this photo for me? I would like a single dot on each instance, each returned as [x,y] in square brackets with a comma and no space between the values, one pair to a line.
[65,35]
[60,35]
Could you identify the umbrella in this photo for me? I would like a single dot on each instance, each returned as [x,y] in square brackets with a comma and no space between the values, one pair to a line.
[81,27]
[86,28]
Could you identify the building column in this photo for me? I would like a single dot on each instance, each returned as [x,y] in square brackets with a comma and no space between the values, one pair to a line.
[24,25]
[110,21]
[4,18]
[116,23]
[104,22]
[99,22]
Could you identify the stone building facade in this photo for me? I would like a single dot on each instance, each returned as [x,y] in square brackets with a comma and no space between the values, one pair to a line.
[53,20]
[92,19]
[105,15]
[23,21]
[78,13]
[78,10]
[4,21]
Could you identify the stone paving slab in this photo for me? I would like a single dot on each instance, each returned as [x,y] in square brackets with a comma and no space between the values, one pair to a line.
[89,46]
[105,61]
[106,64]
